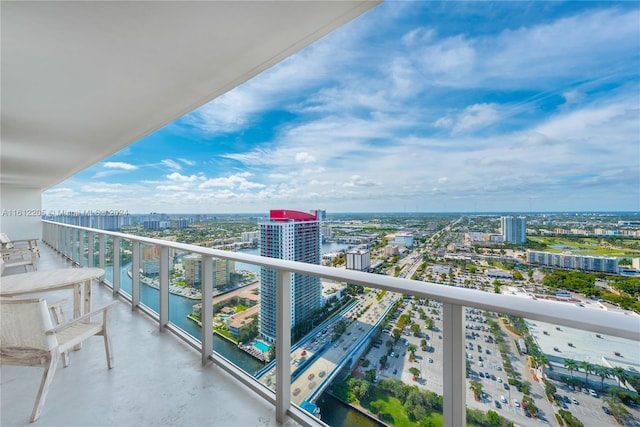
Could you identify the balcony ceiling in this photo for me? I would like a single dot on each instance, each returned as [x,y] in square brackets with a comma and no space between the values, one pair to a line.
[82,80]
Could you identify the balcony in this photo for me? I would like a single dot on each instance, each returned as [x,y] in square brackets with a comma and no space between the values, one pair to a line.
[165,376]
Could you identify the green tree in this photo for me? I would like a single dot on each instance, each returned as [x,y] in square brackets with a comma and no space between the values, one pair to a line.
[587,368]
[415,372]
[493,418]
[603,372]
[476,387]
[530,405]
[617,409]
[397,333]
[383,360]
[571,366]
[412,351]
[620,374]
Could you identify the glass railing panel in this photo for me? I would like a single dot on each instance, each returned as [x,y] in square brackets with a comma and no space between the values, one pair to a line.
[185,291]
[149,273]
[108,258]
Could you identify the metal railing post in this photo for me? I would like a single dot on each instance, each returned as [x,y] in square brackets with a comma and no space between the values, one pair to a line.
[206,312]
[164,288]
[283,344]
[135,274]
[91,249]
[81,247]
[102,248]
[453,367]
[115,262]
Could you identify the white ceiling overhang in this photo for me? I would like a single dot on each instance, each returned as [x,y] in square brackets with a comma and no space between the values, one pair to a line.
[82,80]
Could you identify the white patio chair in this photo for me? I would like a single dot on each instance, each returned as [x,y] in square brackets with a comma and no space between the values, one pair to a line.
[28,338]
[17,253]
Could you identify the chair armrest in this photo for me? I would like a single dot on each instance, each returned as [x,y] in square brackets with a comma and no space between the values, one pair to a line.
[35,241]
[56,311]
[105,309]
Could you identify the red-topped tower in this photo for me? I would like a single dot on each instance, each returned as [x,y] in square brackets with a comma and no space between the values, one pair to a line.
[295,236]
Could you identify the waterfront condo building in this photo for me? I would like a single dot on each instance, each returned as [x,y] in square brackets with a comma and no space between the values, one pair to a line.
[514,229]
[294,236]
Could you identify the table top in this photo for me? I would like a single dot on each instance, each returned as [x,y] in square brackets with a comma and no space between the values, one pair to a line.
[46,280]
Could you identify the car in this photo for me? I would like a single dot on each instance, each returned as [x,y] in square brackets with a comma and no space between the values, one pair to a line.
[395,371]
[321,374]
[593,393]
[498,404]
[516,403]
[480,374]
[575,401]
[480,364]
[499,380]
[430,360]
[606,410]
[296,391]
[397,355]
[503,399]
[506,386]
[487,375]
[310,377]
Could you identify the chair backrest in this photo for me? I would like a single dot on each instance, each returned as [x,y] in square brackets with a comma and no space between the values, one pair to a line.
[5,241]
[23,324]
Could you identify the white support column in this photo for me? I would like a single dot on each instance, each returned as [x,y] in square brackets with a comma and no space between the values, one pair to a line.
[135,275]
[164,288]
[283,345]
[102,248]
[115,262]
[91,248]
[453,370]
[206,312]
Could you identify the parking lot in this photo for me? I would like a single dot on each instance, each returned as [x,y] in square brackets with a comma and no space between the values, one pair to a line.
[486,366]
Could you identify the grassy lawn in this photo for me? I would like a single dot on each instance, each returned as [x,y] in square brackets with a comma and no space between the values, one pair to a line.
[393,407]
[586,246]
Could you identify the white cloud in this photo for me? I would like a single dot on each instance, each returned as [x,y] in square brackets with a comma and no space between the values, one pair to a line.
[182,178]
[172,164]
[304,158]
[120,165]
[475,117]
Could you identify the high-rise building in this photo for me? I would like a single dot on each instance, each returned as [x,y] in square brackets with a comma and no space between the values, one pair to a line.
[295,236]
[358,260]
[514,229]
[222,270]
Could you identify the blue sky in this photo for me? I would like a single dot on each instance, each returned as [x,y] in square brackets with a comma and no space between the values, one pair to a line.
[414,106]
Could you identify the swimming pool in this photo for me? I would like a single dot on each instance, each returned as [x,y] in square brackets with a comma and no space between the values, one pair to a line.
[261,346]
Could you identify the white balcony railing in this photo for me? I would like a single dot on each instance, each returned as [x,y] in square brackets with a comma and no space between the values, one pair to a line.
[70,241]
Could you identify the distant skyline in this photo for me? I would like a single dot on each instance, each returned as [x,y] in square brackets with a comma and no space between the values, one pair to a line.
[412,107]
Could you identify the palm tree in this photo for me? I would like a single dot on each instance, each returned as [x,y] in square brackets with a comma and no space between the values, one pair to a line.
[620,374]
[587,367]
[412,351]
[603,372]
[415,372]
[571,366]
[476,387]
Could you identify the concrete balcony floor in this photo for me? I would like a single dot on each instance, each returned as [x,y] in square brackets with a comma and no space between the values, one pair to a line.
[158,380]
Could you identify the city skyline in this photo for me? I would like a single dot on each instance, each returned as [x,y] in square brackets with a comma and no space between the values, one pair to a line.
[413,107]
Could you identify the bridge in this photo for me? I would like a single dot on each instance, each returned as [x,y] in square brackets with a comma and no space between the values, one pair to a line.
[317,361]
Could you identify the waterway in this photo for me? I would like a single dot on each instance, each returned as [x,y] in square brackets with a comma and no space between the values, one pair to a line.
[338,414]
[180,307]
